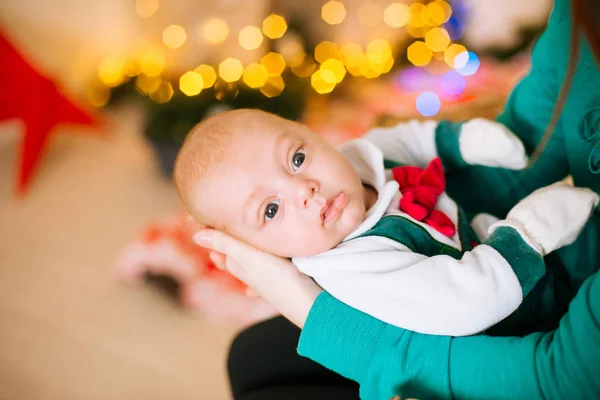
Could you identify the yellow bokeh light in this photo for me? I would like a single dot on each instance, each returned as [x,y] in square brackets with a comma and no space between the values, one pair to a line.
[333,12]
[322,81]
[396,15]
[326,50]
[305,68]
[419,53]
[416,15]
[437,39]
[417,33]
[378,51]
[273,63]
[174,36]
[336,67]
[208,74]
[387,65]
[354,61]
[297,60]
[250,38]
[273,87]
[347,50]
[132,67]
[163,93]
[436,13]
[191,83]
[146,8]
[98,95]
[371,70]
[215,30]
[147,84]
[231,69]
[451,52]
[446,7]
[152,63]
[291,46]
[274,26]
[111,71]
[369,14]
[255,75]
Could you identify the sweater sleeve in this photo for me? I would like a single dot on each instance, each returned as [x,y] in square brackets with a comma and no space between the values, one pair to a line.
[437,295]
[527,113]
[389,361]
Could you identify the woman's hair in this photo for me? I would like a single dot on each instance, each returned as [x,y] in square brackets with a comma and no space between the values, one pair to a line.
[585,20]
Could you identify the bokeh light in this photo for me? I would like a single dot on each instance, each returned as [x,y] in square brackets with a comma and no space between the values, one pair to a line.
[469,63]
[453,82]
[438,12]
[98,95]
[354,62]
[322,81]
[306,67]
[396,15]
[417,11]
[174,36]
[111,71]
[273,63]
[191,83]
[290,46]
[231,70]
[379,51]
[163,93]
[419,53]
[152,63]
[274,26]
[369,14]
[333,12]
[347,50]
[428,104]
[451,52]
[208,74]
[255,75]
[250,38]
[336,67]
[437,39]
[273,87]
[147,84]
[215,30]
[146,8]
[326,50]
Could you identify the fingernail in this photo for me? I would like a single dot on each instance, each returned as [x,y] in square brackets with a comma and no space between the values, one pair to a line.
[215,259]
[202,239]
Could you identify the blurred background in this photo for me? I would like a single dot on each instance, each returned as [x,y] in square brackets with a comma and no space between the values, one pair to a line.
[102,293]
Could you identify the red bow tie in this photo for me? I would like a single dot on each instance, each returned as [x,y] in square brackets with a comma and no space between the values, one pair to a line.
[420,190]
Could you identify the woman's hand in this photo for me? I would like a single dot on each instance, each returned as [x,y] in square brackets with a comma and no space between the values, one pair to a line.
[273,278]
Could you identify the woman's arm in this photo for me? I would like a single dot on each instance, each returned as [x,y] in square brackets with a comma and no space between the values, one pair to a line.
[389,361]
[527,113]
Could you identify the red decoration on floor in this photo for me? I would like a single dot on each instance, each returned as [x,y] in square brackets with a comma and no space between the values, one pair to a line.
[420,190]
[27,95]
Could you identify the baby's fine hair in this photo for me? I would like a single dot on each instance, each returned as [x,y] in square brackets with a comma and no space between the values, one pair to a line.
[204,147]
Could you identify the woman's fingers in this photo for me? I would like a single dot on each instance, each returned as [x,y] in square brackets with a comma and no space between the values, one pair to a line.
[224,244]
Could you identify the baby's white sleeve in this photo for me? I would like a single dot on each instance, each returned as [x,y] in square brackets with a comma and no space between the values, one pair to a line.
[436,295]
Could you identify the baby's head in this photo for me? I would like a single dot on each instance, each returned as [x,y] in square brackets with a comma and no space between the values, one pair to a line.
[269,182]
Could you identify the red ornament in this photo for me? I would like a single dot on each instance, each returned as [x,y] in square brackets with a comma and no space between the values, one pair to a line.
[420,190]
[27,95]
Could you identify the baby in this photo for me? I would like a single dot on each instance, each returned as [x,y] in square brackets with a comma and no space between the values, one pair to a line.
[387,241]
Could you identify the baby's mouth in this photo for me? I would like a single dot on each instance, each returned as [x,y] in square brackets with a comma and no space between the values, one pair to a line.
[334,207]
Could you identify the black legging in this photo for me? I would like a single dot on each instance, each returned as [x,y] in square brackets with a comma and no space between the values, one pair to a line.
[263,364]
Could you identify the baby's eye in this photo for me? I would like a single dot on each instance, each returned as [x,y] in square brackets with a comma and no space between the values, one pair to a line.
[271,210]
[298,159]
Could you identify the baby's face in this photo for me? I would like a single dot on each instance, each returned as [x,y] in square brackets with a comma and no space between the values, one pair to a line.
[285,190]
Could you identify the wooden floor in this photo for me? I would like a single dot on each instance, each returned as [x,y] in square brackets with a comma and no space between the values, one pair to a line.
[68,328]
